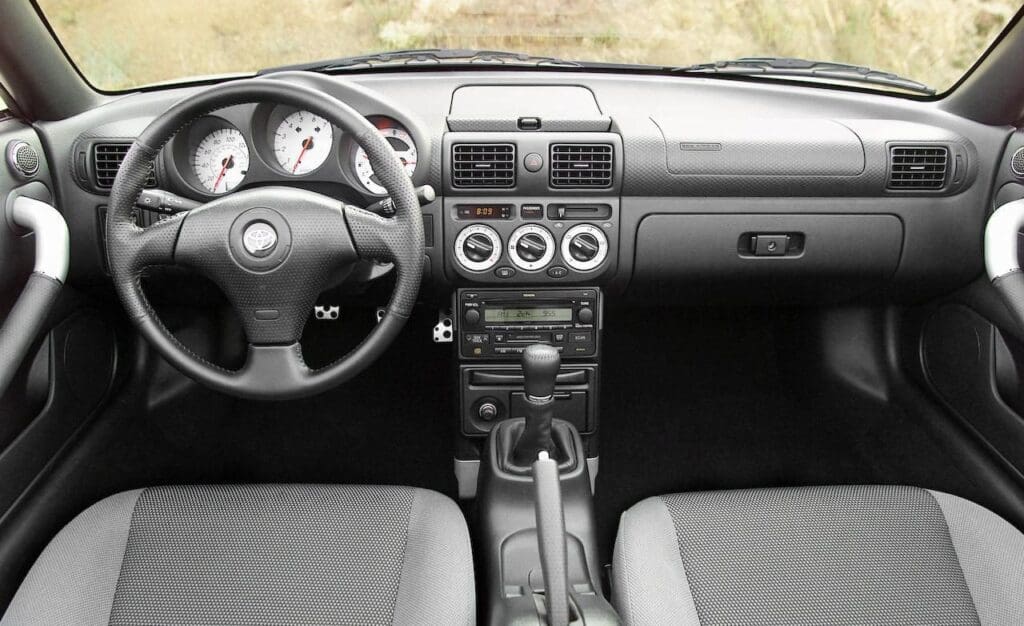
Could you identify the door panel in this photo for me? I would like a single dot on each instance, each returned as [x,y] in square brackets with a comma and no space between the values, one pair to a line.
[69,367]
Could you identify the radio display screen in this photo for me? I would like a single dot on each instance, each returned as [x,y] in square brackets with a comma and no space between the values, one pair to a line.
[528,314]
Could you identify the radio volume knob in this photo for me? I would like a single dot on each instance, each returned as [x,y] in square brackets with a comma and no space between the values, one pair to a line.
[478,247]
[472,316]
[585,315]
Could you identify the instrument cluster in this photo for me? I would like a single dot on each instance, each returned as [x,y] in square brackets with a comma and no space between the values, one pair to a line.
[277,144]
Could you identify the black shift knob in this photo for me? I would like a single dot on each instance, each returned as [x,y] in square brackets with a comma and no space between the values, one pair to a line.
[540,366]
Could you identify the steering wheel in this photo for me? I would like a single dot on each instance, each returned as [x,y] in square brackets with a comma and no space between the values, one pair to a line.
[271,250]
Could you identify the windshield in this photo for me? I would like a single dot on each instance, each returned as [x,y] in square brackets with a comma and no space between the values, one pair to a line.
[119,45]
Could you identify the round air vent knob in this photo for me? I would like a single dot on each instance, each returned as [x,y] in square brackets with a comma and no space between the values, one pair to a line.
[1017,162]
[584,247]
[22,159]
[478,247]
[531,247]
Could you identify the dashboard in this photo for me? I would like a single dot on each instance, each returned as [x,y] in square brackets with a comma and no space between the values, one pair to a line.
[652,188]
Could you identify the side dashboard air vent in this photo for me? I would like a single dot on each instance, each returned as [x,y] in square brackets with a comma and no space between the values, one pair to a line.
[918,167]
[106,159]
[483,165]
[581,166]
[1017,162]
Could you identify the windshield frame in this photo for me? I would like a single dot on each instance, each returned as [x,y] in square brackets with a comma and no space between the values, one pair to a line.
[642,70]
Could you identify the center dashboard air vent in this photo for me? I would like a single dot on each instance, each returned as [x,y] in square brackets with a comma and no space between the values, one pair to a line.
[484,165]
[106,160]
[918,168]
[581,166]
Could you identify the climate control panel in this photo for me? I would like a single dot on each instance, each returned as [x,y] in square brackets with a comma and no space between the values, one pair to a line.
[531,240]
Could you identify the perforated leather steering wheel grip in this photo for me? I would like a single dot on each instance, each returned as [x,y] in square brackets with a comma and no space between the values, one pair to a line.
[273,302]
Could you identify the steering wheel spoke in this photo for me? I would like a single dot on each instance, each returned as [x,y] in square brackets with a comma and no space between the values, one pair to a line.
[275,369]
[372,234]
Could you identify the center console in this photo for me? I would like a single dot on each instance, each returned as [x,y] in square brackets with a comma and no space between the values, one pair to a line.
[536,520]
[530,215]
[494,328]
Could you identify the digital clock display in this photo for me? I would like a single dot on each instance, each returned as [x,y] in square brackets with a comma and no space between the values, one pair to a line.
[531,314]
[485,211]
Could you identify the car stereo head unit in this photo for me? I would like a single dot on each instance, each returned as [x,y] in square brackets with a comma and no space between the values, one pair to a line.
[495,323]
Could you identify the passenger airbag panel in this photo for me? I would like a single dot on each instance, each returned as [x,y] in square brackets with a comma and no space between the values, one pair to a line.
[761,147]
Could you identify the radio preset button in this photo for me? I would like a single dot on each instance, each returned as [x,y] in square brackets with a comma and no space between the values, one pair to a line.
[477,338]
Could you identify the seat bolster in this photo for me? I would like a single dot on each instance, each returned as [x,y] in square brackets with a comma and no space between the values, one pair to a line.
[74,579]
[991,555]
[649,581]
[437,584]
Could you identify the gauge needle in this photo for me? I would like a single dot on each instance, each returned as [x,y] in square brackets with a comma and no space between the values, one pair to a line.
[223,169]
[306,144]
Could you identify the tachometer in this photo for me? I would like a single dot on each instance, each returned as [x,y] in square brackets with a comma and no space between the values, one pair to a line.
[302,142]
[221,160]
[401,142]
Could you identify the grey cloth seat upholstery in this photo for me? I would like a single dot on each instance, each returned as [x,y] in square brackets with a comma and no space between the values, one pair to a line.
[261,554]
[817,555]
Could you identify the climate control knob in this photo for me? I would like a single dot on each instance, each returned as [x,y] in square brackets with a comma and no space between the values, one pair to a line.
[478,248]
[584,247]
[531,247]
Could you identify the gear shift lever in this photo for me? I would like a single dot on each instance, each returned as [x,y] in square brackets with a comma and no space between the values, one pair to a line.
[540,367]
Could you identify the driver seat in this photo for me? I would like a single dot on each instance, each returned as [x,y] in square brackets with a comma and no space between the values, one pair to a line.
[256,554]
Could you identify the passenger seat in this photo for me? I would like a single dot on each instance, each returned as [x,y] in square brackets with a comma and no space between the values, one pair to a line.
[817,555]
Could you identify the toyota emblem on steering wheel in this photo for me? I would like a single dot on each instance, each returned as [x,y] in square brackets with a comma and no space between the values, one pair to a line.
[259,239]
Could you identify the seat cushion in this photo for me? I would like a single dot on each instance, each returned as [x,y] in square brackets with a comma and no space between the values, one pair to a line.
[261,554]
[817,555]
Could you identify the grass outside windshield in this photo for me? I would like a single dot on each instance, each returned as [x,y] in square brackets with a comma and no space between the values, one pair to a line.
[121,44]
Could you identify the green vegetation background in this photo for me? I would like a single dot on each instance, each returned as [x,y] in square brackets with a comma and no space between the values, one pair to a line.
[125,43]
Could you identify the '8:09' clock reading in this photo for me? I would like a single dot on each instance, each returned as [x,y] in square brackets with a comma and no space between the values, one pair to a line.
[485,212]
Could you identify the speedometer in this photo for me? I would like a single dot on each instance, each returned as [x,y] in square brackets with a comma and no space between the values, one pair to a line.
[400,141]
[221,160]
[302,142]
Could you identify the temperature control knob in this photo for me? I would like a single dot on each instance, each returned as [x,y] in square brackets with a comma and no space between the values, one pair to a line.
[584,247]
[478,248]
[531,247]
